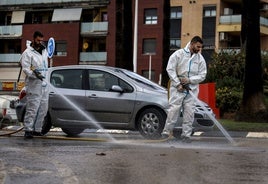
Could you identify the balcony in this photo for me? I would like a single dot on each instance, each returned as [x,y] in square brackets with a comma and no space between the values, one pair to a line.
[230,50]
[11,31]
[230,19]
[232,23]
[94,29]
[9,58]
[19,2]
[236,19]
[263,21]
[93,57]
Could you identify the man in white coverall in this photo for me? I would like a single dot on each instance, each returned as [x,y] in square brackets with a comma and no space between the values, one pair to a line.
[34,62]
[186,68]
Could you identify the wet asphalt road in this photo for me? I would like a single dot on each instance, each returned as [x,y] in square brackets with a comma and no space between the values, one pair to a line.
[128,159]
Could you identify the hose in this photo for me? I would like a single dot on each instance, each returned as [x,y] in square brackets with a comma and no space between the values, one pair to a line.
[10,132]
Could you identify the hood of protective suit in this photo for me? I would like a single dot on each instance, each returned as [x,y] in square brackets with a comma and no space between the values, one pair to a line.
[28,43]
[186,48]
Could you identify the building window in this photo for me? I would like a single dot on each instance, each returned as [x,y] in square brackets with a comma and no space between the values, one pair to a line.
[104,17]
[149,46]
[61,48]
[8,20]
[209,31]
[209,22]
[175,27]
[175,44]
[175,13]
[93,45]
[145,73]
[150,16]
[210,11]
[37,19]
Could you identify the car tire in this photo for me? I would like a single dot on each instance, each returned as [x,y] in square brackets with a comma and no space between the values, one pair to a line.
[72,131]
[151,123]
[46,124]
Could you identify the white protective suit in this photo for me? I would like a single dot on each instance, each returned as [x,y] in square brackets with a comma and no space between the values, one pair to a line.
[181,63]
[36,90]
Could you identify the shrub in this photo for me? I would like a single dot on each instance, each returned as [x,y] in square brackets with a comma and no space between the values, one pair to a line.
[228,99]
[227,71]
[265,73]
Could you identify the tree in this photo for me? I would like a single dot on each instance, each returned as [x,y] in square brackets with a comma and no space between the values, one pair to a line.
[253,106]
[124,34]
[166,42]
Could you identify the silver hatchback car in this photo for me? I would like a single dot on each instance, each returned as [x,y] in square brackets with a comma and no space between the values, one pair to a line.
[88,96]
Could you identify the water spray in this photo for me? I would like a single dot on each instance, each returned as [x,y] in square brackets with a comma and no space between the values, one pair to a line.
[91,120]
[216,122]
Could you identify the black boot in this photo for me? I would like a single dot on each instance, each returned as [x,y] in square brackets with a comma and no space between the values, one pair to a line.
[28,135]
[37,133]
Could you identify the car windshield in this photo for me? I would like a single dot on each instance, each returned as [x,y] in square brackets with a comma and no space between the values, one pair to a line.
[142,80]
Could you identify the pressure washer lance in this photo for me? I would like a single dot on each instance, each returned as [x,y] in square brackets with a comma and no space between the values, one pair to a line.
[216,122]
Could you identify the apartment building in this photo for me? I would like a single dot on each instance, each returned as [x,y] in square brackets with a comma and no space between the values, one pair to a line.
[79,27]
[122,33]
[217,21]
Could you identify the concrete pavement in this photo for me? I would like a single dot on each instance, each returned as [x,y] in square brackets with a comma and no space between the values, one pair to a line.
[212,133]
[233,134]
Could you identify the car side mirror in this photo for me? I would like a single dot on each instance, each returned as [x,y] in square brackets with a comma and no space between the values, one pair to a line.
[117,88]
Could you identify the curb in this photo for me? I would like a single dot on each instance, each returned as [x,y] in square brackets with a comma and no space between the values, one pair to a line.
[257,134]
[233,134]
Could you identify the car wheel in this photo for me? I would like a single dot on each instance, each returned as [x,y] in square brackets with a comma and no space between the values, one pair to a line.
[46,124]
[151,123]
[72,131]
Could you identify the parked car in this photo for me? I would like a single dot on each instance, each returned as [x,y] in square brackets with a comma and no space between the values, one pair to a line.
[7,110]
[107,97]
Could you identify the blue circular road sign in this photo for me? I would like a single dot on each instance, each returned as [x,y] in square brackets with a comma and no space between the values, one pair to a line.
[50,47]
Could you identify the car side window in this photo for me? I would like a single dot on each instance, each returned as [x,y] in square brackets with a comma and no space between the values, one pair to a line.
[70,79]
[97,80]
[125,86]
[103,81]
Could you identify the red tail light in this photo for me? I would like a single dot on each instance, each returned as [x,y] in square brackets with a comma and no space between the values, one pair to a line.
[22,94]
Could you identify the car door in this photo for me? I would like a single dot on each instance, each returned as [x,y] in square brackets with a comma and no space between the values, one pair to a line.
[110,108]
[67,96]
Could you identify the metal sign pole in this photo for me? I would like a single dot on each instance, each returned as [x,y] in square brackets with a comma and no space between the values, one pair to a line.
[51,62]
[150,66]
[50,50]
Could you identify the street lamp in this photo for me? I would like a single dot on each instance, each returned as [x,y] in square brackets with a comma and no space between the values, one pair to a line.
[150,63]
[135,45]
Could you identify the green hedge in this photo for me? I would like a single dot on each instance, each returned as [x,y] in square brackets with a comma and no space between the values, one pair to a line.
[228,99]
[227,71]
